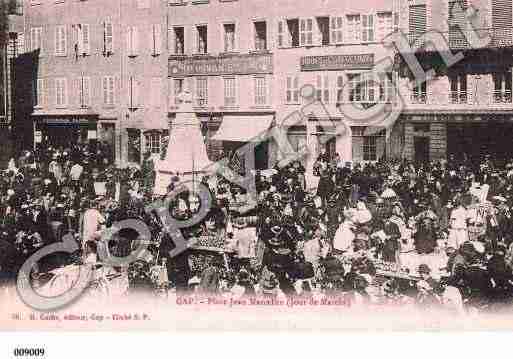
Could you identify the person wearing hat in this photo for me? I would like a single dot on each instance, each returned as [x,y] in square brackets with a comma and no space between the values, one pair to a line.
[429,289]
[426,226]
[458,232]
[269,286]
[92,220]
[243,286]
[345,234]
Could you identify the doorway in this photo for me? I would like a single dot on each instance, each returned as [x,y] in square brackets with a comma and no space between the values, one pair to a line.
[421,148]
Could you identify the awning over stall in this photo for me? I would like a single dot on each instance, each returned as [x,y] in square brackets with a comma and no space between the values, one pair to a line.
[243,128]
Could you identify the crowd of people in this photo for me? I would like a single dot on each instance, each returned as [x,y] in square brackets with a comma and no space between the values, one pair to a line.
[432,234]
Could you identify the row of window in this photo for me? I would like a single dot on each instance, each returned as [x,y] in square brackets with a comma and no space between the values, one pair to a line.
[361,87]
[231,86]
[459,93]
[314,31]
[141,4]
[81,39]
[82,87]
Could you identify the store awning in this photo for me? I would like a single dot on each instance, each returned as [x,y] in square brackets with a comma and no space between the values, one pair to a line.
[149,123]
[243,128]
[64,113]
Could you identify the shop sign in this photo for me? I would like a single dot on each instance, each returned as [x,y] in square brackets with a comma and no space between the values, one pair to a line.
[337,62]
[232,65]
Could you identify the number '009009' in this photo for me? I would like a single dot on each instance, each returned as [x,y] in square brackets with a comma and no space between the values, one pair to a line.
[29,352]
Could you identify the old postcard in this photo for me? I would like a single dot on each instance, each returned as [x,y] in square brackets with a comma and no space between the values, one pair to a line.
[171,165]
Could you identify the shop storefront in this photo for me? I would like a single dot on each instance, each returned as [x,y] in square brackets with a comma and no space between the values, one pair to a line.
[235,131]
[65,130]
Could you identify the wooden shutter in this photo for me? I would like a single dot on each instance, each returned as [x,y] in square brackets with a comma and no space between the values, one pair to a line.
[502,22]
[336,29]
[86,39]
[157,40]
[86,91]
[457,24]
[109,37]
[417,21]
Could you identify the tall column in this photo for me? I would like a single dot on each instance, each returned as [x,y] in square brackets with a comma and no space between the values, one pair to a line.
[312,144]
[344,145]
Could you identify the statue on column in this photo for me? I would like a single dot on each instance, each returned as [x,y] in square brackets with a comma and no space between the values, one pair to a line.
[185,101]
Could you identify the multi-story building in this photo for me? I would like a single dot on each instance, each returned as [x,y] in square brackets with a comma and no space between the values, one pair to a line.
[247,62]
[12,11]
[110,72]
[97,73]
[466,109]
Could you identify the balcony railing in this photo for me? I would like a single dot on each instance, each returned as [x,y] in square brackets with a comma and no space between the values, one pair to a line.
[461,40]
[459,97]
[502,96]
[418,98]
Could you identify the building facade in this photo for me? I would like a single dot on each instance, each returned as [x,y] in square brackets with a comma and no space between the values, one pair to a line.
[110,72]
[97,73]
[465,111]
[251,65]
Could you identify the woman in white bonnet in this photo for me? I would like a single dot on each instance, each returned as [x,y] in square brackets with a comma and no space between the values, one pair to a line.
[363,215]
[344,236]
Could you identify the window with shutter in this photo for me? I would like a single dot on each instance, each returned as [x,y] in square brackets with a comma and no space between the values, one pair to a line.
[177,37]
[202,91]
[260,28]
[230,91]
[82,39]
[385,25]
[386,87]
[260,91]
[305,32]
[132,44]
[84,91]
[292,33]
[322,92]
[60,92]
[281,34]
[457,24]
[502,87]
[353,28]
[176,89]
[202,39]
[458,88]
[292,94]
[156,40]
[367,28]
[36,39]
[108,38]
[229,37]
[502,22]
[108,90]
[336,30]
[60,40]
[133,93]
[417,21]
[86,42]
[40,93]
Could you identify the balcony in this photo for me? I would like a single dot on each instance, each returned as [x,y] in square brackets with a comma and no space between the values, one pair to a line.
[459,40]
[459,97]
[417,98]
[502,96]
[459,101]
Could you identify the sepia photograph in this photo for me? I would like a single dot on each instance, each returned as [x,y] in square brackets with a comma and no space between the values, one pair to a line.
[263,165]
